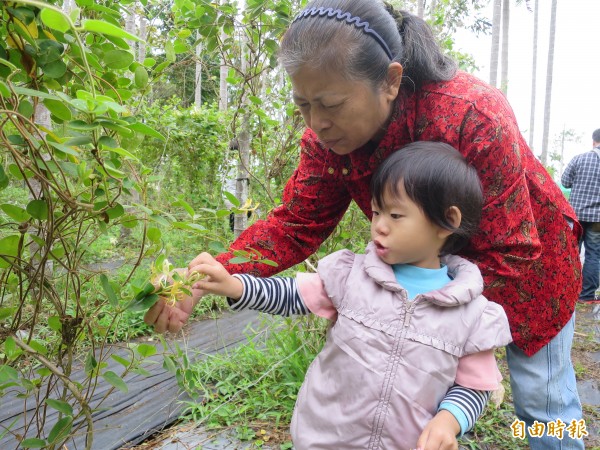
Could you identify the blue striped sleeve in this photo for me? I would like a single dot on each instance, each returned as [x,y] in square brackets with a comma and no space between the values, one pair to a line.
[273,295]
[465,404]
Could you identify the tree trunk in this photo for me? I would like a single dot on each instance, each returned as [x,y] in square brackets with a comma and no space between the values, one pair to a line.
[432,8]
[549,71]
[223,99]
[198,82]
[420,8]
[505,39]
[130,25]
[533,74]
[244,138]
[496,18]
[143,34]
[42,120]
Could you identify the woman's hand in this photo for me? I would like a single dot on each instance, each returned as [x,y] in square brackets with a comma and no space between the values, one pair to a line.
[165,316]
[440,433]
[216,279]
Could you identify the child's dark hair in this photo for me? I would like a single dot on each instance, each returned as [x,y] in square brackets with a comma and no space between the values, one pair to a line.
[435,177]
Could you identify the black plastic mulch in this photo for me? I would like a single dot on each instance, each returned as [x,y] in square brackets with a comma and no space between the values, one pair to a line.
[152,402]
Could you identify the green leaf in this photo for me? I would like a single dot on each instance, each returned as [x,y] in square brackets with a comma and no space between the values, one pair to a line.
[143,303]
[55,20]
[145,129]
[8,374]
[115,380]
[116,127]
[33,443]
[60,406]
[33,93]
[58,108]
[38,347]
[146,290]
[232,198]
[82,125]
[79,140]
[115,211]
[185,205]
[188,226]
[25,108]
[255,100]
[268,262]
[141,77]
[118,59]
[162,66]
[54,69]
[108,289]
[170,52]
[14,170]
[5,313]
[153,234]
[222,213]
[217,247]
[107,141]
[124,362]
[15,212]
[38,209]
[159,219]
[64,148]
[10,348]
[169,364]
[123,152]
[54,323]
[44,372]
[90,362]
[60,430]
[129,221]
[3,178]
[102,27]
[146,350]
[4,90]
[9,249]
[239,260]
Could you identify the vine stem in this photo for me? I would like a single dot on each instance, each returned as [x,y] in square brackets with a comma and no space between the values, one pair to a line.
[68,383]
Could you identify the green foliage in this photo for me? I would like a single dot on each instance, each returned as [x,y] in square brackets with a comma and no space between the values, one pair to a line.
[67,176]
[255,382]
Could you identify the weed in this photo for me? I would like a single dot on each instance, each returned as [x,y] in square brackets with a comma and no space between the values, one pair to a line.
[257,381]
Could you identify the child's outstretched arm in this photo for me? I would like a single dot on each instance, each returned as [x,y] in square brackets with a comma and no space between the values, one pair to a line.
[274,295]
[217,280]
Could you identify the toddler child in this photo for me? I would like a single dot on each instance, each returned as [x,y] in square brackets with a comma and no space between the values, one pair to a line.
[408,359]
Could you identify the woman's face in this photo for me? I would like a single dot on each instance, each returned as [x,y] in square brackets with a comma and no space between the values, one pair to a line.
[344,114]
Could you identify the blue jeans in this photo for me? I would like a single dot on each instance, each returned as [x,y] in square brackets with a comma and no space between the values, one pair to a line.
[591,259]
[544,389]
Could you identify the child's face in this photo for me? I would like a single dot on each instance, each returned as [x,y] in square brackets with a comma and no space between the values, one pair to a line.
[403,235]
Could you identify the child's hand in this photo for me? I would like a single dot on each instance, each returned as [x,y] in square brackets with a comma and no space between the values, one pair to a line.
[217,280]
[440,433]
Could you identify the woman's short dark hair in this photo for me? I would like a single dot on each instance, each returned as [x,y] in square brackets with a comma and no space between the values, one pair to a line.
[323,42]
[435,176]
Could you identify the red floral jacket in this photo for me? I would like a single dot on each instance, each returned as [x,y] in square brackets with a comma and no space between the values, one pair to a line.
[525,248]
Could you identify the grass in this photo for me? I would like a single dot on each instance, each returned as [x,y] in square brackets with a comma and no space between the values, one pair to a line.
[257,383]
